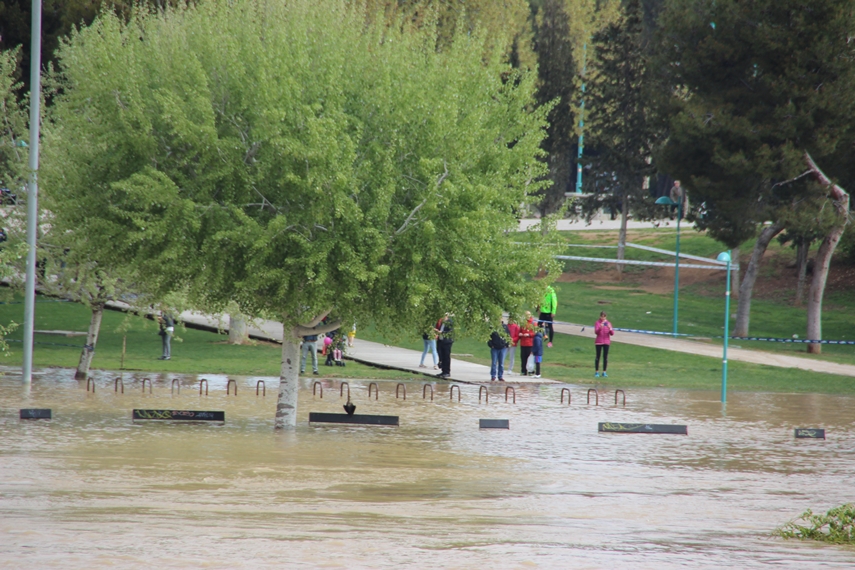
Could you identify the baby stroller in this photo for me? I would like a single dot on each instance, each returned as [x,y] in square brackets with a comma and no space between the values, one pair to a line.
[335,352]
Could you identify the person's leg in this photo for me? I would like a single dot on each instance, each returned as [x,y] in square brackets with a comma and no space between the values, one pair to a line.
[163,347]
[304,350]
[494,362]
[513,352]
[599,349]
[546,323]
[502,352]
[445,356]
[537,367]
[424,352]
[434,352]
[525,352]
[168,339]
[605,357]
[313,347]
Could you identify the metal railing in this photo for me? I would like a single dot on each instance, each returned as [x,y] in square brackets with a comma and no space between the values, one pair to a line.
[398,387]
[568,395]
[424,392]
[229,386]
[596,396]
[205,382]
[376,390]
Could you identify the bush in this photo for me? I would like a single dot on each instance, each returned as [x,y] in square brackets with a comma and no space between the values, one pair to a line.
[836,526]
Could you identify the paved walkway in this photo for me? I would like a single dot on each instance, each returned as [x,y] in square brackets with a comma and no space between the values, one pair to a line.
[702,348]
[604,223]
[375,354]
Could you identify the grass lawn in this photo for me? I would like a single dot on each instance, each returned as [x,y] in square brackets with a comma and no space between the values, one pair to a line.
[193,351]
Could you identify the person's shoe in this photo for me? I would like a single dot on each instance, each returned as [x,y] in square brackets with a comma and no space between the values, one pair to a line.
[422,366]
[537,375]
[549,344]
[493,379]
[501,379]
[596,374]
[315,372]
[605,375]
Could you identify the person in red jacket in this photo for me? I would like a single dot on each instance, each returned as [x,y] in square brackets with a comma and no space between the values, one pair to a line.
[514,331]
[603,332]
[526,340]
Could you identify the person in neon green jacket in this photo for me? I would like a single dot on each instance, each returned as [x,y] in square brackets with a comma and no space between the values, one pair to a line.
[548,308]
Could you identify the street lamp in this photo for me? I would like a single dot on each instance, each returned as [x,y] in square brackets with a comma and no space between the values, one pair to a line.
[725,256]
[667,201]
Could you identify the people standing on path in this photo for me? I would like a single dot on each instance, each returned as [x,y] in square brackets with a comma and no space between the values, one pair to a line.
[310,344]
[514,332]
[167,328]
[429,339]
[498,343]
[526,341]
[445,338]
[548,308]
[603,332]
[537,351]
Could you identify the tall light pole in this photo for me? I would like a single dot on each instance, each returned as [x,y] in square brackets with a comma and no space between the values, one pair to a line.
[669,202]
[581,124]
[725,256]
[33,189]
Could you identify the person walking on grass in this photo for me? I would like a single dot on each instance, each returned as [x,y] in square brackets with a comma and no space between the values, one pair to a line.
[526,342]
[498,343]
[514,332]
[429,339]
[548,307]
[603,332]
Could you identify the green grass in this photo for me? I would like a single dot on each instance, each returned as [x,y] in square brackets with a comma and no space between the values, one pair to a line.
[193,351]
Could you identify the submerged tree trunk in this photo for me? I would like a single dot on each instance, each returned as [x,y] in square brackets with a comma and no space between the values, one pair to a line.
[746,288]
[823,257]
[289,380]
[289,375]
[621,246]
[238,329]
[801,264]
[91,340]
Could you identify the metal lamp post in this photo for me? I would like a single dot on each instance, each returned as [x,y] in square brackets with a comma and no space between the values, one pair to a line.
[725,256]
[669,202]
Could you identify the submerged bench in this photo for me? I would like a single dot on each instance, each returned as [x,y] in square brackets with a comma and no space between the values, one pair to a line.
[35,414]
[810,433]
[179,415]
[494,424]
[607,427]
[324,418]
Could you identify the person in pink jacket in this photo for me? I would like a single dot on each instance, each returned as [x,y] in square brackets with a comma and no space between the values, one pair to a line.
[603,332]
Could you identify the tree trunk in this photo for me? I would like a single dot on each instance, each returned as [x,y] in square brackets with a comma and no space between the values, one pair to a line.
[801,263]
[621,246]
[746,288]
[823,257]
[736,273]
[289,380]
[91,340]
[238,330]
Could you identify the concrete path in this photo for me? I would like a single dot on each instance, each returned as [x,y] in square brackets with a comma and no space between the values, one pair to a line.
[374,353]
[604,223]
[715,351]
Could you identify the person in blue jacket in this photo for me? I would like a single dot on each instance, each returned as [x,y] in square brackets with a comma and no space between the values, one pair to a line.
[537,351]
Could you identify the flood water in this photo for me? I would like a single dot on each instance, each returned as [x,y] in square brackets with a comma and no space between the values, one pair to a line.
[92,489]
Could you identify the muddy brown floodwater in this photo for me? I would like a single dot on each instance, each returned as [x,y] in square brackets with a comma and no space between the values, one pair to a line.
[91,489]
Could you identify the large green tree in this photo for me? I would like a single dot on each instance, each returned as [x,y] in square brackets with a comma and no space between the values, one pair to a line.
[757,86]
[622,116]
[301,163]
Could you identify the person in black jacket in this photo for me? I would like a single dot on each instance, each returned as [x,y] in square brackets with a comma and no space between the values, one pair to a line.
[445,326]
[167,328]
[498,343]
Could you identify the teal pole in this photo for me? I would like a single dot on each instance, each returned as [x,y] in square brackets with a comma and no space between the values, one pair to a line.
[677,264]
[581,125]
[726,334]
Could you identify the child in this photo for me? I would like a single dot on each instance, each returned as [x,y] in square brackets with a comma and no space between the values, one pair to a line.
[603,332]
[537,351]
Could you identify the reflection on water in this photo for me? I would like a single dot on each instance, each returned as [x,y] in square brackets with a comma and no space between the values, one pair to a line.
[92,489]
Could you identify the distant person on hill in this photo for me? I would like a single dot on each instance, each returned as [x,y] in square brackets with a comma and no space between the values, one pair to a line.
[526,341]
[514,332]
[445,330]
[167,328]
[603,332]
[548,308]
